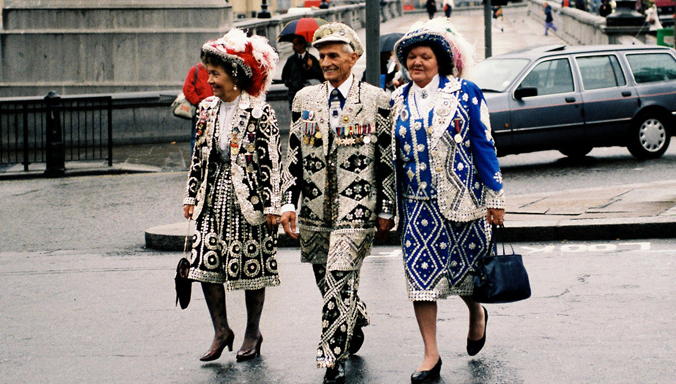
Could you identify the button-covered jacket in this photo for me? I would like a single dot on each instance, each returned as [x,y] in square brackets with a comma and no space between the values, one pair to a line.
[345,174]
[453,159]
[255,164]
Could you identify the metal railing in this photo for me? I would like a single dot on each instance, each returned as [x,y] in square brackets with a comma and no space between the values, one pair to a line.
[55,129]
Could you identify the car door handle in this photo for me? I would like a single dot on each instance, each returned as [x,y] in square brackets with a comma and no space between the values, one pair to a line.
[570,99]
[626,93]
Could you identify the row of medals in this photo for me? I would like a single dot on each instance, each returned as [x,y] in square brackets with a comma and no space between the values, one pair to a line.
[250,147]
[350,135]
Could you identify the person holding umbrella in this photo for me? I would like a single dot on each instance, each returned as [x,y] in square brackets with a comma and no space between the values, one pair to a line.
[300,68]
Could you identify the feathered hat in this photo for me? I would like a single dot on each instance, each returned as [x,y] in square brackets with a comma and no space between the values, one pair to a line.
[253,55]
[442,33]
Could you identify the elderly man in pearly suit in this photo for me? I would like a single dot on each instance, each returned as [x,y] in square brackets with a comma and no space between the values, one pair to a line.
[340,160]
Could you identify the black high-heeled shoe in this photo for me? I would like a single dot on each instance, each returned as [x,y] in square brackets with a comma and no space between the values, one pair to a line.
[214,354]
[475,346]
[335,375]
[427,376]
[248,354]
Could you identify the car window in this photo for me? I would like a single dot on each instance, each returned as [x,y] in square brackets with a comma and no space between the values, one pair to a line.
[649,67]
[550,77]
[600,72]
[498,74]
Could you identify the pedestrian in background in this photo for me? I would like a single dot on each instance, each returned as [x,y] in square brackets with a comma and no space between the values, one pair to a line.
[431,7]
[196,89]
[448,178]
[300,68]
[233,187]
[549,18]
[340,159]
[448,7]
[581,5]
[605,9]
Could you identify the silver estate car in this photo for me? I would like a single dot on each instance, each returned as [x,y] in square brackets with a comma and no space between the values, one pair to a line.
[573,99]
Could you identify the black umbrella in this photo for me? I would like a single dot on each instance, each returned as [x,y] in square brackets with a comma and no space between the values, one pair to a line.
[387,41]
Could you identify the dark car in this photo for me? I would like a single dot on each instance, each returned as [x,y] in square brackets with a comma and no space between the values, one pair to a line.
[573,99]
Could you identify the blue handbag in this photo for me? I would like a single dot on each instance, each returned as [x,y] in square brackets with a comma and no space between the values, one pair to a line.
[500,278]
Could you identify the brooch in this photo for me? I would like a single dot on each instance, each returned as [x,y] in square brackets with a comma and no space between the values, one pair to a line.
[257,112]
[404,115]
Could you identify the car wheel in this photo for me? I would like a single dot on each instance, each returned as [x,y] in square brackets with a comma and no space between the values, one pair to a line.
[576,151]
[649,139]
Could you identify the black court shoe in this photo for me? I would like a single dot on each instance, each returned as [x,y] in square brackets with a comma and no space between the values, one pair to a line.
[335,375]
[427,376]
[474,346]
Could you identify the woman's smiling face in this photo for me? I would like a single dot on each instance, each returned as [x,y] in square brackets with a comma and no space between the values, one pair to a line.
[422,65]
[221,83]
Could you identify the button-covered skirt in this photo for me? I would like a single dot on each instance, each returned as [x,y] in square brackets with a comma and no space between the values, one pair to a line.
[439,255]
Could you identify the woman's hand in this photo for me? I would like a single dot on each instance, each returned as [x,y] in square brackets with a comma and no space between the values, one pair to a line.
[495,216]
[272,221]
[188,210]
[288,221]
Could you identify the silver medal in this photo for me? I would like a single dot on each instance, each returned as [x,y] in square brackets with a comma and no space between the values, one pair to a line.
[458,138]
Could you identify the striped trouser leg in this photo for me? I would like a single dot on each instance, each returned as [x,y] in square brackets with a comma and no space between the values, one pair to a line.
[342,310]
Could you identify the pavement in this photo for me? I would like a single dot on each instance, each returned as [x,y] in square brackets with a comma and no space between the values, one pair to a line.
[618,212]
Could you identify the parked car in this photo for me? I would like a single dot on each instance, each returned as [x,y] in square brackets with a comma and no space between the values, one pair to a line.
[573,99]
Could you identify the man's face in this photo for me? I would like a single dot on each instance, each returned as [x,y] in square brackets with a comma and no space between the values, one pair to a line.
[299,45]
[336,63]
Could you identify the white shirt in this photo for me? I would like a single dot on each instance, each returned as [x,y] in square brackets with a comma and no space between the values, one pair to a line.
[225,114]
[429,91]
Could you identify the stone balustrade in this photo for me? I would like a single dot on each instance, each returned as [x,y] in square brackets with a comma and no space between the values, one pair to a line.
[577,27]
[353,15]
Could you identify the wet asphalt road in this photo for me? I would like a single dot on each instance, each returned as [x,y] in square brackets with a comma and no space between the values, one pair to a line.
[601,312]
[83,301]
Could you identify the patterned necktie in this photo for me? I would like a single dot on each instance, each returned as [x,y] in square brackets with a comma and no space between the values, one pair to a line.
[337,96]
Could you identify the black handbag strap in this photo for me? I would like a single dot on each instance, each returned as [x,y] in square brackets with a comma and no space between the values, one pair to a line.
[499,231]
[197,69]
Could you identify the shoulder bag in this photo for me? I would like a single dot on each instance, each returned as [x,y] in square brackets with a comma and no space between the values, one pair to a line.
[181,106]
[500,278]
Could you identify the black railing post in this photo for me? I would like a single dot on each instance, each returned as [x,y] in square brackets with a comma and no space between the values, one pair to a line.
[110,132]
[56,149]
[26,161]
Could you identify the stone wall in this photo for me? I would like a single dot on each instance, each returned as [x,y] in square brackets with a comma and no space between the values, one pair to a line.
[103,46]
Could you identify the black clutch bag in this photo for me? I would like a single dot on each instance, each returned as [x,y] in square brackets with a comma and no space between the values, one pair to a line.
[183,283]
[500,278]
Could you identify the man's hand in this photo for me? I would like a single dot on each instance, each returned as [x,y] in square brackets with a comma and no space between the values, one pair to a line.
[384,226]
[495,216]
[272,221]
[289,224]
[188,210]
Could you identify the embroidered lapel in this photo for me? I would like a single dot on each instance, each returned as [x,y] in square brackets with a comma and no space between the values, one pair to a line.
[445,107]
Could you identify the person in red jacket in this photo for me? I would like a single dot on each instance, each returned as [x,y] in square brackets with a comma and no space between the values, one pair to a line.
[196,90]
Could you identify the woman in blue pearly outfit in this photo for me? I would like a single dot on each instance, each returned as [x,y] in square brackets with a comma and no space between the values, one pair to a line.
[233,188]
[448,180]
